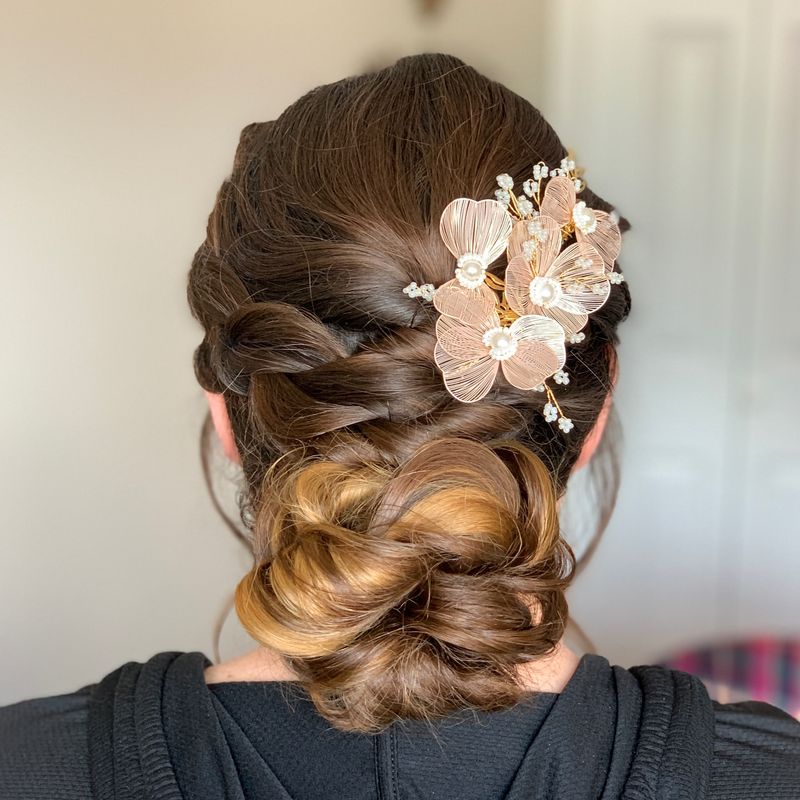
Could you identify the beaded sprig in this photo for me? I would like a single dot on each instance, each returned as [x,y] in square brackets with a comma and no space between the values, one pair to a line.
[560,268]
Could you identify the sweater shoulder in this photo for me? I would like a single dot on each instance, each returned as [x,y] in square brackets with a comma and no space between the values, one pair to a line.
[756,752]
[44,747]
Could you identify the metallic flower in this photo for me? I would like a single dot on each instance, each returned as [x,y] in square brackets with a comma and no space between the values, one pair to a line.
[528,351]
[566,285]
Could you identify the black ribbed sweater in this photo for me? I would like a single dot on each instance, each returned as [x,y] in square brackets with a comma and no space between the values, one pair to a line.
[156,731]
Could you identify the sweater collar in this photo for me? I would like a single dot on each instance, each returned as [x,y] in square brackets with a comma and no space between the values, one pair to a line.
[158,731]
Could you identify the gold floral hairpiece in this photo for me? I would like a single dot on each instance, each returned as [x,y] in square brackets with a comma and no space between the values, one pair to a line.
[560,269]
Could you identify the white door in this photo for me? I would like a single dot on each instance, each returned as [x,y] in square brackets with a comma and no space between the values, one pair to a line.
[687,116]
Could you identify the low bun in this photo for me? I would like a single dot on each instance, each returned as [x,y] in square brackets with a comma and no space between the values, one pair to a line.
[412,592]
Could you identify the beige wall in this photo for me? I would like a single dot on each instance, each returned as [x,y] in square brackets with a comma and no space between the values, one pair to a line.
[119,122]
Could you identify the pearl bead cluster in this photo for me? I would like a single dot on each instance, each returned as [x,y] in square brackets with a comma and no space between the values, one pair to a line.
[542,172]
[536,231]
[425,291]
[584,218]
[470,270]
[565,424]
[532,189]
[545,292]
[524,205]
[503,194]
[501,342]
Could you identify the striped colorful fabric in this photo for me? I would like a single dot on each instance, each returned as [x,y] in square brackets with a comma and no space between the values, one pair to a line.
[765,668]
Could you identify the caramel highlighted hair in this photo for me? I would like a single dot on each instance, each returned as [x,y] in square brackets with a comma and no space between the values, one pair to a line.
[406,550]
[408,593]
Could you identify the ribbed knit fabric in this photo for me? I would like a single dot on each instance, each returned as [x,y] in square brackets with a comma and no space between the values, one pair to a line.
[156,731]
[43,748]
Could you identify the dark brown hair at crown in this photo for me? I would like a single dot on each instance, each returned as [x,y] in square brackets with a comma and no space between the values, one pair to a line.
[407,555]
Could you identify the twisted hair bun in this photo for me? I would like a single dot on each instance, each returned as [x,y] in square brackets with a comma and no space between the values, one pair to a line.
[408,593]
[406,550]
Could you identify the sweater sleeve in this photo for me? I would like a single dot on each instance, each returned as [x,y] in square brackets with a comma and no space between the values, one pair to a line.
[756,753]
[44,749]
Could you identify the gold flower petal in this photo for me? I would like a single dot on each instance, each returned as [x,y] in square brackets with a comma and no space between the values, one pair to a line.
[468,305]
[571,323]
[519,234]
[462,340]
[559,199]
[518,280]
[467,381]
[479,227]
[580,265]
[606,238]
[549,244]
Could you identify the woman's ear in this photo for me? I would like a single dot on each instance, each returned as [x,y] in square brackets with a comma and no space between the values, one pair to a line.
[592,441]
[222,424]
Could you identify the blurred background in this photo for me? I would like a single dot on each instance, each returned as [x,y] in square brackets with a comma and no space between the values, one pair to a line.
[120,122]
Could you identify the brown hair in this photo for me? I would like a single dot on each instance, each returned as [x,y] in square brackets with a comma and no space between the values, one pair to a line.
[407,554]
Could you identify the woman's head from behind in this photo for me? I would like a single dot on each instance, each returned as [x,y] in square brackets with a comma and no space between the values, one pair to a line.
[406,544]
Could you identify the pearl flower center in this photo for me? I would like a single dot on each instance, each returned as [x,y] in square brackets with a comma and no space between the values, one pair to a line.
[584,218]
[471,270]
[545,292]
[501,342]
